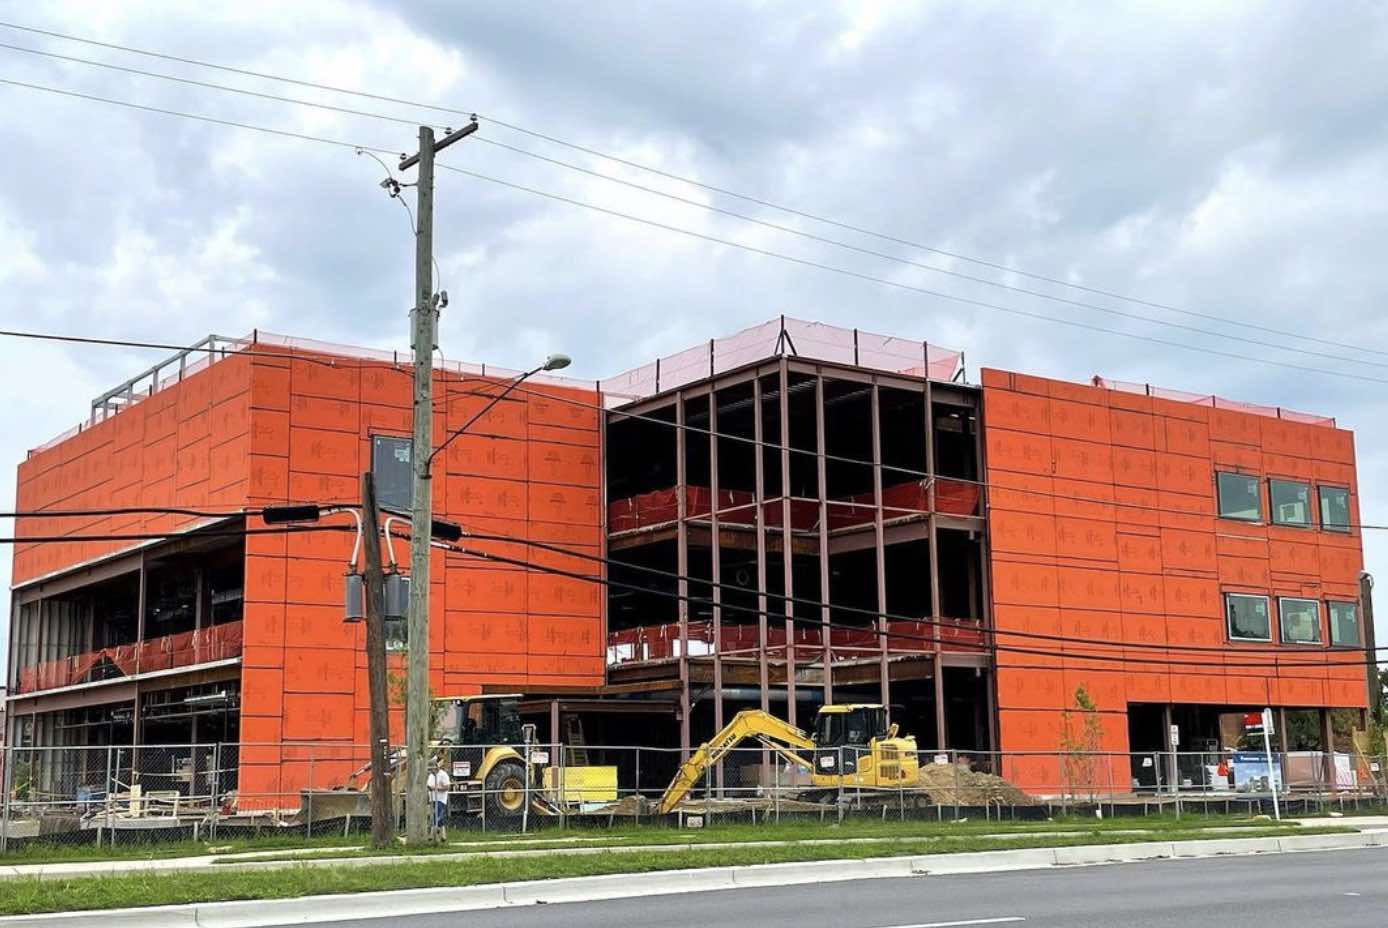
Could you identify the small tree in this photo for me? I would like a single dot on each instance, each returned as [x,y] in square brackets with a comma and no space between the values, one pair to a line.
[1081,734]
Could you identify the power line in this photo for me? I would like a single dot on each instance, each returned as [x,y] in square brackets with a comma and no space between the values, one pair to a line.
[789,230]
[944,623]
[254,350]
[887,282]
[687,180]
[721,241]
[1275,664]
[167,536]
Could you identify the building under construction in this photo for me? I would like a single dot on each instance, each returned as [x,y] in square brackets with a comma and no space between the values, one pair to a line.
[792,516]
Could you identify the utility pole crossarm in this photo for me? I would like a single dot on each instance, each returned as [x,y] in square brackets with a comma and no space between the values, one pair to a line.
[407,162]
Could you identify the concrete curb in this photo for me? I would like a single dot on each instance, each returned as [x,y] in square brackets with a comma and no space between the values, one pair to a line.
[313,909]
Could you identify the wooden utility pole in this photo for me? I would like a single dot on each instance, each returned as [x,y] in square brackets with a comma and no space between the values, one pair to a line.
[424,337]
[382,817]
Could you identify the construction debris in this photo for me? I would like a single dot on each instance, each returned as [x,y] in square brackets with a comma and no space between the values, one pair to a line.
[956,784]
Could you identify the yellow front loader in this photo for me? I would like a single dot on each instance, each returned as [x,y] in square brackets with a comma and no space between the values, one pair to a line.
[852,745]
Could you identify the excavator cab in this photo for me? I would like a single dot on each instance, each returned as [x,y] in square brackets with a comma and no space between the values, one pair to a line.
[855,744]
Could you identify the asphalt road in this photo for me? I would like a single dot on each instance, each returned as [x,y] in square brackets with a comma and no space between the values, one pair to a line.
[1332,889]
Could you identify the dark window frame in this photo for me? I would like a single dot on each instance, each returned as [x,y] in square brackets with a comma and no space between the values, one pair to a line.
[1319,640]
[1310,522]
[1228,618]
[1343,528]
[1330,605]
[1219,496]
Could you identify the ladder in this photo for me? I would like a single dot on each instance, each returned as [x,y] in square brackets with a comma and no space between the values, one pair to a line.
[577,747]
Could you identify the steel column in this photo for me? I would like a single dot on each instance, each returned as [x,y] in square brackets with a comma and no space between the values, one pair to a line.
[879,542]
[787,544]
[933,554]
[823,482]
[759,497]
[682,569]
[716,569]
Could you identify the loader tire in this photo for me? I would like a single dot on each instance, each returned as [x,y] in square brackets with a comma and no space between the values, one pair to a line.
[505,794]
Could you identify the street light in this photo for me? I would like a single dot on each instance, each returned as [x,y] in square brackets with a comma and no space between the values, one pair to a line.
[417,732]
[555,362]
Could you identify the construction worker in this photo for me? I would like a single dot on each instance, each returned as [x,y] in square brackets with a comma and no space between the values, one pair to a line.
[439,785]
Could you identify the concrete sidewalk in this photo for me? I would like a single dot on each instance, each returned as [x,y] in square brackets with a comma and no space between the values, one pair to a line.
[313,909]
[339,856]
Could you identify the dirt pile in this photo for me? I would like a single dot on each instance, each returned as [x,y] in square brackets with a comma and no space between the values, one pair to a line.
[955,784]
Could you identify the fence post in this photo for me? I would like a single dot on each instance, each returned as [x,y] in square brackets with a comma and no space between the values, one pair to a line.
[954,763]
[8,758]
[838,804]
[308,827]
[562,782]
[215,787]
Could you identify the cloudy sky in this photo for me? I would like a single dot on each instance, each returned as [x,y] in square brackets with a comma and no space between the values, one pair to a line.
[1226,161]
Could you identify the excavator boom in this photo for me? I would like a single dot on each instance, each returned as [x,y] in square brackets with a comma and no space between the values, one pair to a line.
[777,735]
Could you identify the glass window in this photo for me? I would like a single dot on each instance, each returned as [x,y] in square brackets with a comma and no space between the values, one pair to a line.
[390,465]
[1335,508]
[1239,497]
[1248,617]
[1300,620]
[1344,624]
[1291,502]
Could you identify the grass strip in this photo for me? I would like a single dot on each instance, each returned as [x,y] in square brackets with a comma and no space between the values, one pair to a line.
[31,896]
[649,833]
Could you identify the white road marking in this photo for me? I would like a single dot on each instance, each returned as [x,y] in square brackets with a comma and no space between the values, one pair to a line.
[967,921]
[1351,894]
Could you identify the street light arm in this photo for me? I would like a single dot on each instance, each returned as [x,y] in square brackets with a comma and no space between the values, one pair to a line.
[515,382]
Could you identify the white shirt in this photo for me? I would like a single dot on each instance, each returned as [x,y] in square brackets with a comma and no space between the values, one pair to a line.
[438,786]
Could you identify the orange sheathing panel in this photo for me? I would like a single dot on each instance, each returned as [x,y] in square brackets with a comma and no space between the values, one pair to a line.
[388,386]
[1134,467]
[575,636]
[1172,409]
[484,632]
[269,387]
[1140,510]
[563,596]
[558,503]
[1108,690]
[487,590]
[1024,584]
[317,716]
[1189,550]
[996,378]
[1033,688]
[1242,688]
[324,488]
[567,534]
[1018,411]
[318,670]
[498,667]
[1295,557]
[1085,499]
[1226,456]
[193,428]
[1021,492]
[548,406]
[1029,730]
[483,496]
[1292,438]
[1031,533]
[321,546]
[265,578]
[1333,473]
[269,478]
[193,463]
[1080,421]
[559,435]
[313,412]
[1087,588]
[333,381]
[262,691]
[227,463]
[1132,429]
[1335,445]
[1240,545]
[321,451]
[1186,437]
[263,625]
[1027,383]
[1250,573]
[1082,460]
[487,457]
[1281,465]
[1180,473]
[1138,553]
[1340,565]
[318,626]
[1088,539]
[390,420]
[562,464]
[270,432]
[313,582]
[1141,593]
[507,419]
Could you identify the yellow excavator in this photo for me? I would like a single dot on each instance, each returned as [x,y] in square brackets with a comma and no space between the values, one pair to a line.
[852,745]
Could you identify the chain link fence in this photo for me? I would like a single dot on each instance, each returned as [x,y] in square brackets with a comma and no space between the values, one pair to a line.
[120,795]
